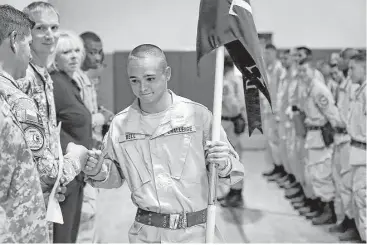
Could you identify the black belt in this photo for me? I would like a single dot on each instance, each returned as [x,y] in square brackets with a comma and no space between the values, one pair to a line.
[341,130]
[358,144]
[171,221]
[231,118]
[313,127]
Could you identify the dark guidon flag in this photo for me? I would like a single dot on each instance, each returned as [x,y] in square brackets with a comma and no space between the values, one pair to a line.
[230,23]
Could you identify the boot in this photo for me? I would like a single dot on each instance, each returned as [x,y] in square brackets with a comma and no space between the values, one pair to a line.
[234,199]
[296,193]
[271,172]
[279,174]
[341,227]
[316,207]
[328,215]
[293,190]
[287,182]
[298,205]
[298,199]
[282,180]
[351,234]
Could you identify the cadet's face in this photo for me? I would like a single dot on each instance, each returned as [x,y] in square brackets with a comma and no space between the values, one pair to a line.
[325,69]
[305,72]
[94,54]
[23,55]
[286,60]
[45,33]
[269,56]
[336,74]
[68,60]
[357,71]
[148,79]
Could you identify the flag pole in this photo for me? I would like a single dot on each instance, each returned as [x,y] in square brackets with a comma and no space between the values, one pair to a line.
[217,115]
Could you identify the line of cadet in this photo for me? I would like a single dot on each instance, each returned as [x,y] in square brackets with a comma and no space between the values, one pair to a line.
[316,136]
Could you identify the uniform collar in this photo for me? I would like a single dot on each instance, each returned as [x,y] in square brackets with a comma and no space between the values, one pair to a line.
[174,117]
[9,78]
[360,89]
[42,72]
[343,85]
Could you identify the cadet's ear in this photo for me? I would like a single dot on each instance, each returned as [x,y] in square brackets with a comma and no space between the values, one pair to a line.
[167,73]
[13,37]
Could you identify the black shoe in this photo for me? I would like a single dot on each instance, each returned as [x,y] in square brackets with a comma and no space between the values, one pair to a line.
[341,227]
[328,215]
[234,199]
[271,172]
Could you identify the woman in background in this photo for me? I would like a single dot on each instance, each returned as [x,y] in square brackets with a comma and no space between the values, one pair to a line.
[76,126]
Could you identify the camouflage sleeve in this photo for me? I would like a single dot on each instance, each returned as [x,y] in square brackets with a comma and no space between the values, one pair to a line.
[24,84]
[6,170]
[5,235]
[27,114]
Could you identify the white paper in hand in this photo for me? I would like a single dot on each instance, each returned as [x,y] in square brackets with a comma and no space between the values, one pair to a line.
[54,213]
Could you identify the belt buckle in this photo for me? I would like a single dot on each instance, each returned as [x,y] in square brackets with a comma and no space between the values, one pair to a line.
[173,221]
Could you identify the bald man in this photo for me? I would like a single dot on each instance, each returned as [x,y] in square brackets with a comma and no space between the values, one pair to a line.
[160,145]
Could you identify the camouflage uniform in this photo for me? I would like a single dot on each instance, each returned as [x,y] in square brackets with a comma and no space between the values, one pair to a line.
[22,208]
[87,228]
[39,87]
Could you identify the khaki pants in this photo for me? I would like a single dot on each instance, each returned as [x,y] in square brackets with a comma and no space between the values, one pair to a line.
[319,173]
[283,152]
[270,127]
[340,158]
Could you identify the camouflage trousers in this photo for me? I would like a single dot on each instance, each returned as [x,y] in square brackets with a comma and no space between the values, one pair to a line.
[88,227]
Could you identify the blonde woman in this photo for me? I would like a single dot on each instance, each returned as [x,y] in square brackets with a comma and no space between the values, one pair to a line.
[76,126]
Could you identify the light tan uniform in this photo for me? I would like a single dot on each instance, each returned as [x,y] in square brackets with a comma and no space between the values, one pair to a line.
[295,142]
[357,159]
[164,166]
[320,108]
[270,124]
[282,118]
[341,165]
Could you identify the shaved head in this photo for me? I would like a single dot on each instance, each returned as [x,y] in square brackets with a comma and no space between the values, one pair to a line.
[148,51]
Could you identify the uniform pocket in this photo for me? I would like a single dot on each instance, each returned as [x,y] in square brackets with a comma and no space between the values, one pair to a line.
[176,148]
[135,165]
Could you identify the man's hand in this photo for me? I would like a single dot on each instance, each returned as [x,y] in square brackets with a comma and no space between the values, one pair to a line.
[79,152]
[218,153]
[93,165]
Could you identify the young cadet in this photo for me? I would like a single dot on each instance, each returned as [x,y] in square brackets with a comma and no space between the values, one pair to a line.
[356,127]
[233,122]
[161,145]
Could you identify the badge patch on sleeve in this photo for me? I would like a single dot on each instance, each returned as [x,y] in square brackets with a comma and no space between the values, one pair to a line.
[323,101]
[34,138]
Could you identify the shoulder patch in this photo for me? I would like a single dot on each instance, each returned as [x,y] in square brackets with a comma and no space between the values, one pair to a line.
[323,101]
[35,138]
